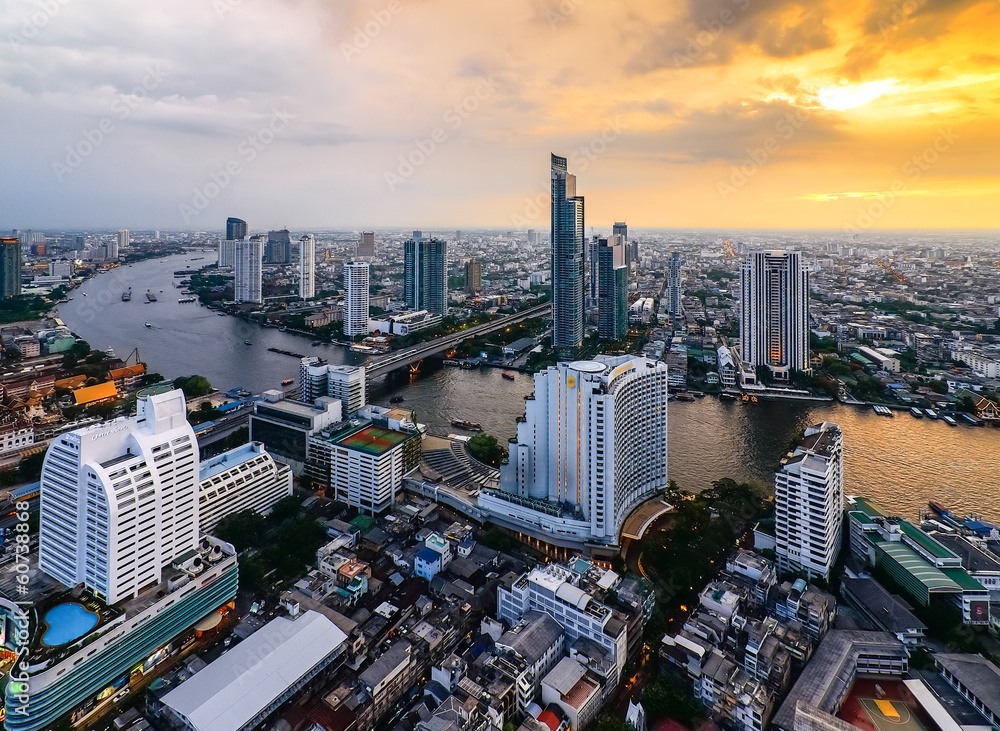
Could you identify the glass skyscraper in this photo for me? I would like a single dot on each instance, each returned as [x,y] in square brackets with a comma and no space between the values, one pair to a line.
[612,297]
[425,274]
[567,260]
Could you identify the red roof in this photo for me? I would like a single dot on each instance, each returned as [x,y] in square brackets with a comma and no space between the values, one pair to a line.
[549,719]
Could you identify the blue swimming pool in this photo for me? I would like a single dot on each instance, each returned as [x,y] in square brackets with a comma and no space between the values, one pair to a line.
[67,622]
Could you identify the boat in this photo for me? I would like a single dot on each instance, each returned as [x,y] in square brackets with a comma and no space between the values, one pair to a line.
[316,342]
[917,413]
[84,294]
[931,413]
[684,397]
[727,397]
[185,300]
[949,420]
[282,329]
[467,425]
[970,420]
[509,376]
[126,296]
[397,400]
[698,394]
[247,342]
[451,362]
[149,324]
[150,297]
[287,382]
[222,314]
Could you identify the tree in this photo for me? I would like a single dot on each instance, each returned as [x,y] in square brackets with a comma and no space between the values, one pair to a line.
[287,507]
[244,529]
[193,386]
[486,449]
[30,468]
[764,376]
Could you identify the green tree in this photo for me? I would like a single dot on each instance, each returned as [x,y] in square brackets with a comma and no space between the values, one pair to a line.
[30,468]
[244,530]
[285,509]
[486,449]
[193,386]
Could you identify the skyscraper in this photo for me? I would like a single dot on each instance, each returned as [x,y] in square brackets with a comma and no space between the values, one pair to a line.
[425,274]
[774,312]
[567,260]
[236,229]
[473,276]
[674,292]
[119,500]
[279,247]
[356,283]
[124,241]
[366,244]
[248,285]
[593,278]
[10,268]
[612,298]
[809,503]
[592,445]
[307,267]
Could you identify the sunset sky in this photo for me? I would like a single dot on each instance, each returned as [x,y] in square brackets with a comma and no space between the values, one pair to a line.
[442,113]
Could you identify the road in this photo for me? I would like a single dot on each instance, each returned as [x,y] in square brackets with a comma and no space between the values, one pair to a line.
[380,366]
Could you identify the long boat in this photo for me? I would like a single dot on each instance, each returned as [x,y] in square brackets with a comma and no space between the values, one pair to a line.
[467,425]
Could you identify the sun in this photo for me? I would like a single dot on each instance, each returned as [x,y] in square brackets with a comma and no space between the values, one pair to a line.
[851,96]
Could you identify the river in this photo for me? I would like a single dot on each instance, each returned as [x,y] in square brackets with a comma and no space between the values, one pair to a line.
[901,462]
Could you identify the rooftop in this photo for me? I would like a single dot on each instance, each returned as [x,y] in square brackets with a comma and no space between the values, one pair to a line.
[532,636]
[226,461]
[374,440]
[889,611]
[977,674]
[252,674]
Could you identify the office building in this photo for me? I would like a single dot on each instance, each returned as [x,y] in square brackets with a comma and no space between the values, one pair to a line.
[363,464]
[425,274]
[631,247]
[10,268]
[82,672]
[592,446]
[307,267]
[120,499]
[612,294]
[121,244]
[236,229]
[473,276]
[809,503]
[556,589]
[593,278]
[674,286]
[774,313]
[248,284]
[356,303]
[345,383]
[567,260]
[279,247]
[284,426]
[245,478]
[366,244]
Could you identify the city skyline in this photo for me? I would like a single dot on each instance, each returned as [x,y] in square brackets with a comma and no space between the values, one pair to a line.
[707,114]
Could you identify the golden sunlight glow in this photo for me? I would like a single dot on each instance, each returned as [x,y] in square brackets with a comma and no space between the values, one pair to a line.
[850,96]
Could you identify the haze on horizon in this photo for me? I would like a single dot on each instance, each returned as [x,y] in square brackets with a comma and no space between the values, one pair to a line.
[380,113]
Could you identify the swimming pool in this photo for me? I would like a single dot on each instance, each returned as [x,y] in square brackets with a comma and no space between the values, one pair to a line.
[67,622]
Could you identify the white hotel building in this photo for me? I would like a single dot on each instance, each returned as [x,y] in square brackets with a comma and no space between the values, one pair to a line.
[592,446]
[119,500]
[243,478]
[809,503]
[356,283]
[247,281]
[307,267]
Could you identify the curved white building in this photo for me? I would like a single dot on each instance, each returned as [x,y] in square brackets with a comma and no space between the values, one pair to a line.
[592,446]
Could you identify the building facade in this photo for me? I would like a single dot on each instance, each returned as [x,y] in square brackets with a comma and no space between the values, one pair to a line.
[245,478]
[10,268]
[120,499]
[345,383]
[307,267]
[612,297]
[567,259]
[774,312]
[356,307]
[592,446]
[473,276]
[425,274]
[366,244]
[809,503]
[674,290]
[248,282]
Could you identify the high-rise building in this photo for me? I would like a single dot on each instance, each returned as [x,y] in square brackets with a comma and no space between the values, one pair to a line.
[279,247]
[236,229]
[425,274]
[473,276]
[774,312]
[124,241]
[356,284]
[244,478]
[10,268]
[593,278]
[307,267]
[248,283]
[592,445]
[345,383]
[612,297]
[809,503]
[366,244]
[120,499]
[567,260]
[674,292]
[620,228]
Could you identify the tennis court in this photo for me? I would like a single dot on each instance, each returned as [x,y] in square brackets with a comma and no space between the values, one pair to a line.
[890,715]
